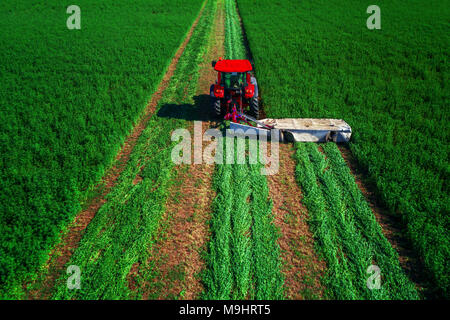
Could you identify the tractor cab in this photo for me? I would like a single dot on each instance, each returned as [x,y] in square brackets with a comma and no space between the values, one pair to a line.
[235,86]
[233,74]
[233,80]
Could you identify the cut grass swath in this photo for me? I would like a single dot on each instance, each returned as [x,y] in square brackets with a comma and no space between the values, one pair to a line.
[266,252]
[218,278]
[345,229]
[240,238]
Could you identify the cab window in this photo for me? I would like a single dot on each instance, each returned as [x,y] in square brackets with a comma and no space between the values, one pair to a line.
[233,79]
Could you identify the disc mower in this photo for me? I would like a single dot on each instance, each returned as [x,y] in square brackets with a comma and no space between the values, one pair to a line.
[234,97]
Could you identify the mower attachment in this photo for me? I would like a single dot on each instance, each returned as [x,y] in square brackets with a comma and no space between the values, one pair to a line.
[301,130]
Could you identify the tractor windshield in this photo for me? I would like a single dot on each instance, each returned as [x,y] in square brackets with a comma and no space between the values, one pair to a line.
[233,80]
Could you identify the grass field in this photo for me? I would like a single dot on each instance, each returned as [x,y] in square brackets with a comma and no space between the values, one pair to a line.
[67,100]
[390,85]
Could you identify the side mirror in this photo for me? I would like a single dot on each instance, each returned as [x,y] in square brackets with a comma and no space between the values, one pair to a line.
[213,63]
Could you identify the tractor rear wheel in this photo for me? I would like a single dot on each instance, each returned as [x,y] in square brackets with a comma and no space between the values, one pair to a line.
[217,108]
[254,107]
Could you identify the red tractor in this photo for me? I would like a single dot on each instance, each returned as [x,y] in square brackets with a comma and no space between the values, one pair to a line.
[235,87]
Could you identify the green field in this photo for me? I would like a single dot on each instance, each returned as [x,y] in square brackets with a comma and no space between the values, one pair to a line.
[390,85]
[67,100]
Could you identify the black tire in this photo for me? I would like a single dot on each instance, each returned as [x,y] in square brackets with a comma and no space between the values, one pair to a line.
[217,107]
[254,107]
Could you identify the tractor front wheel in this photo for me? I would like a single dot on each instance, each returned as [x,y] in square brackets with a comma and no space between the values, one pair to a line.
[254,107]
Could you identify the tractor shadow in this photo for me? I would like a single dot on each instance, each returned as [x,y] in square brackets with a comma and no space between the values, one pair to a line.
[200,110]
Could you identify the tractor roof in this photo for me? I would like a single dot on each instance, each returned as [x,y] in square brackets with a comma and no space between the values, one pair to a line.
[233,66]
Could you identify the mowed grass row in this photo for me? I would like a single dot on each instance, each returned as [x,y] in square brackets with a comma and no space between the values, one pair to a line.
[346,232]
[67,100]
[125,227]
[243,254]
[243,259]
[390,85]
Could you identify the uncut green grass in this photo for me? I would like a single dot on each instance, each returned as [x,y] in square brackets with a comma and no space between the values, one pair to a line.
[67,100]
[124,229]
[243,259]
[234,38]
[390,85]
